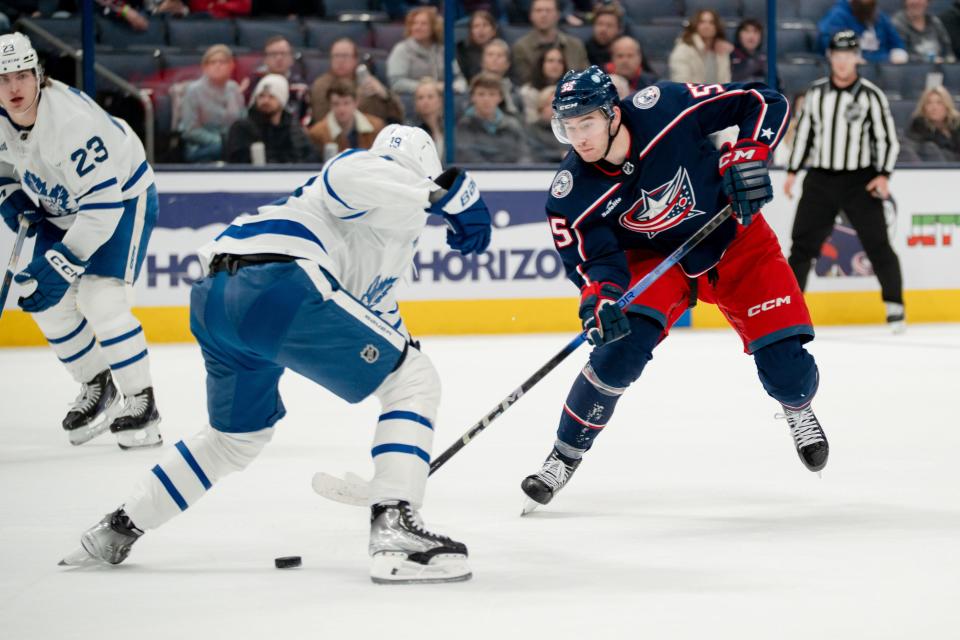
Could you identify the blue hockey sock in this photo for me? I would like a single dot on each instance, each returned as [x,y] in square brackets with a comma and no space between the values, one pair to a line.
[593,397]
[588,408]
[788,372]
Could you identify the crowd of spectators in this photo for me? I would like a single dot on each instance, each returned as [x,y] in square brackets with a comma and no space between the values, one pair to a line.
[502,90]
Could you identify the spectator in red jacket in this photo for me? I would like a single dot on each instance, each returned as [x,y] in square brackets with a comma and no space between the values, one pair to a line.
[215,8]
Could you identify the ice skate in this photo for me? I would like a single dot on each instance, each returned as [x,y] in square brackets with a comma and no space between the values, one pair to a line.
[108,541]
[808,437]
[136,422]
[542,486]
[896,317]
[404,552]
[89,415]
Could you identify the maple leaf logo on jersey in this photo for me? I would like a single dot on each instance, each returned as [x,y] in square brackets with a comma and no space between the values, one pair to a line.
[377,290]
[663,208]
[55,201]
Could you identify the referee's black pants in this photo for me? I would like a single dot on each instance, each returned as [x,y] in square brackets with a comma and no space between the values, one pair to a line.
[824,194]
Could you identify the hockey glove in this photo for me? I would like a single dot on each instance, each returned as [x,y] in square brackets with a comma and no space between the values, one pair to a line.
[18,203]
[53,273]
[465,212]
[602,319]
[746,180]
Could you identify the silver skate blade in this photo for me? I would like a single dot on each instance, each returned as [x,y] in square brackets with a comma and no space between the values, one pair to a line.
[528,506]
[88,432]
[394,568]
[78,558]
[351,489]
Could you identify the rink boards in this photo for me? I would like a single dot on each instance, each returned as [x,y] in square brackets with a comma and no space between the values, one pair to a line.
[518,285]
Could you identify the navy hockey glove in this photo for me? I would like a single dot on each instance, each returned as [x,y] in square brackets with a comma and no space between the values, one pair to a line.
[17,204]
[602,319]
[53,273]
[465,212]
[746,179]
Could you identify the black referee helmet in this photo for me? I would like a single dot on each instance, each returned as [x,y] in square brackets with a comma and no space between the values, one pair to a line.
[844,41]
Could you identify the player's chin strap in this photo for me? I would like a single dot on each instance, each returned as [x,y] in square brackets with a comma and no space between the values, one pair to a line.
[611,136]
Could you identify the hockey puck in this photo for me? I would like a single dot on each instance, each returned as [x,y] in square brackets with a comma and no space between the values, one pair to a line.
[287,562]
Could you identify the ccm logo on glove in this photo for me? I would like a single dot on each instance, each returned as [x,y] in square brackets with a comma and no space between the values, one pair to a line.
[743,154]
[67,270]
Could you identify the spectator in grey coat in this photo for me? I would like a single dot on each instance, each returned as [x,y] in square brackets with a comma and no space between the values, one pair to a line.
[485,133]
[210,105]
[951,22]
[923,34]
[420,54]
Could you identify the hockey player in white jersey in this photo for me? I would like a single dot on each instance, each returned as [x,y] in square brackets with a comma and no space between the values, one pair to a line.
[307,284]
[92,210]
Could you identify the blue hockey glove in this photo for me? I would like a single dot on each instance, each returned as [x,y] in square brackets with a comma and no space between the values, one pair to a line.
[746,179]
[465,212]
[602,319]
[53,273]
[17,204]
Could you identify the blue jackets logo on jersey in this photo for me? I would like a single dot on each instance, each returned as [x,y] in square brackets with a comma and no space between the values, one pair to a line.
[663,208]
[56,201]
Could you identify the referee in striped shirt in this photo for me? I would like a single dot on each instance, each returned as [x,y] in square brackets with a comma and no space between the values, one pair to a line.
[847,140]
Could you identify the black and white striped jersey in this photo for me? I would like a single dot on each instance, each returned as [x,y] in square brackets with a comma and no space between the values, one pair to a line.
[845,129]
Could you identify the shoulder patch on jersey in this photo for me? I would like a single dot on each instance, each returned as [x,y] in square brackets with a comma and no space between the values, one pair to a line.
[646,98]
[562,184]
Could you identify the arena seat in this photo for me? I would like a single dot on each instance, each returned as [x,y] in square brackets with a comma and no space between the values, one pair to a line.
[321,34]
[133,66]
[904,80]
[726,8]
[200,33]
[66,29]
[656,40]
[255,33]
[119,35]
[796,77]
[385,36]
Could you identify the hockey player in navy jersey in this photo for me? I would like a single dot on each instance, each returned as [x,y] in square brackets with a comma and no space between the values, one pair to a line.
[308,284]
[93,208]
[643,177]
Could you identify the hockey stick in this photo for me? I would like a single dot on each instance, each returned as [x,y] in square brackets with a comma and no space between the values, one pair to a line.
[354,490]
[14,259]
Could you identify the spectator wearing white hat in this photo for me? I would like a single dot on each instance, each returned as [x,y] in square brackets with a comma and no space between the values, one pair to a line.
[268,122]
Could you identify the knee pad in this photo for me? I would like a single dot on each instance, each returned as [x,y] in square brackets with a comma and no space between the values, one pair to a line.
[105,302]
[620,363]
[403,440]
[62,318]
[414,386]
[788,372]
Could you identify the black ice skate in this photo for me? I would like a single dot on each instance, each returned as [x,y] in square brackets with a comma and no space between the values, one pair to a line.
[404,552]
[136,422]
[542,486]
[808,437]
[108,541]
[88,417]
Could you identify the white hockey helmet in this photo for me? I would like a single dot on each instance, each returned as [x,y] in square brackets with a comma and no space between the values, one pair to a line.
[16,53]
[412,147]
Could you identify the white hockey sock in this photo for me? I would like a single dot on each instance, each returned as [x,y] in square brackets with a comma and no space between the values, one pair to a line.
[125,348]
[188,470]
[106,304]
[71,338]
[401,457]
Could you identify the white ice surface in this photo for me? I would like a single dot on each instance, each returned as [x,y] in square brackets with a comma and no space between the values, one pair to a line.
[691,518]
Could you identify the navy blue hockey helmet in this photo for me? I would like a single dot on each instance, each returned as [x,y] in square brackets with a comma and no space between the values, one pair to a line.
[579,93]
